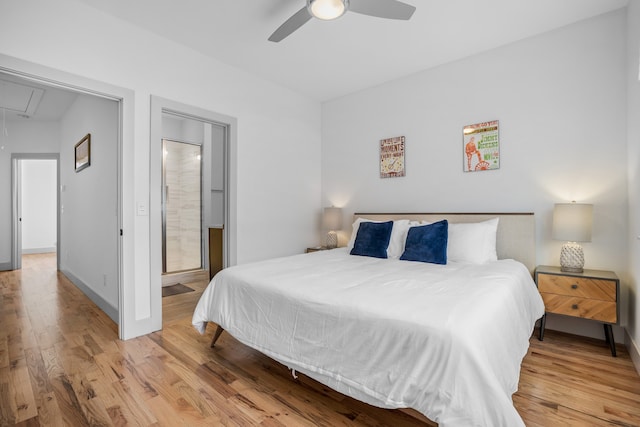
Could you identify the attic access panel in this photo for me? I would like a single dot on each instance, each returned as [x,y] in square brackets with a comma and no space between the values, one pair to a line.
[19,98]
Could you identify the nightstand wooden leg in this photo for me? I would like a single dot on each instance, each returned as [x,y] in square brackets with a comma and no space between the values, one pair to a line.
[608,335]
[543,320]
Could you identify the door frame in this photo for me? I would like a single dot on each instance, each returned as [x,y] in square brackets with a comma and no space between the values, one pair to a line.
[160,106]
[16,203]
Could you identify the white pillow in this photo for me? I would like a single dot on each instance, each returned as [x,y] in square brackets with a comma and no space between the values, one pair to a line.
[473,242]
[396,242]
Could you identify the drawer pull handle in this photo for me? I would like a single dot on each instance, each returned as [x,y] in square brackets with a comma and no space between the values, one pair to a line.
[574,306]
[574,286]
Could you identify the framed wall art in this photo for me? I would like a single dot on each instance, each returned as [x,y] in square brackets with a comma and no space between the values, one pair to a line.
[481,146]
[83,153]
[392,157]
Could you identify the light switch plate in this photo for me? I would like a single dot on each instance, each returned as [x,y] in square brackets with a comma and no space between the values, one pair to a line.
[141,209]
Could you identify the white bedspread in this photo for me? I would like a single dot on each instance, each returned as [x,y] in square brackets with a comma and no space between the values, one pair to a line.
[447,341]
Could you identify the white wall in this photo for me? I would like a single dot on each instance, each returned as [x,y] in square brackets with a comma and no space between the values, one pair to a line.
[39,205]
[633,143]
[24,137]
[561,100]
[88,199]
[278,135]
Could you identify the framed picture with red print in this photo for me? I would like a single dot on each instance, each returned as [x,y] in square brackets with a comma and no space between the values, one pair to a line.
[481,146]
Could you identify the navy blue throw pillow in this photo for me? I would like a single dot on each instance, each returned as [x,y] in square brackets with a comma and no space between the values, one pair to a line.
[427,243]
[372,239]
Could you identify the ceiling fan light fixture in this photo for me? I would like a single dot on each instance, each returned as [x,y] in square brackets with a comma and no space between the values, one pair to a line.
[327,9]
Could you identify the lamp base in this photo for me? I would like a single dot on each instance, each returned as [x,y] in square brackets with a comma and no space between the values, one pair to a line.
[332,240]
[572,258]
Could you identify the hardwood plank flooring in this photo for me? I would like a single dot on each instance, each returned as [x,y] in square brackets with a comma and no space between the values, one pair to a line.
[61,363]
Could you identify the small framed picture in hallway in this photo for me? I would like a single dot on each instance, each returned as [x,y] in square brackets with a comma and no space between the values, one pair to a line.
[83,153]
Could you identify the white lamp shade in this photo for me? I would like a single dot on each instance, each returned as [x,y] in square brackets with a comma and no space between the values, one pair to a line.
[572,222]
[332,219]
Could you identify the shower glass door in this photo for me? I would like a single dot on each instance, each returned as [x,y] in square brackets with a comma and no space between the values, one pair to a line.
[181,206]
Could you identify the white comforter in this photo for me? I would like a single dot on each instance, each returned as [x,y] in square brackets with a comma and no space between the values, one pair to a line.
[447,341]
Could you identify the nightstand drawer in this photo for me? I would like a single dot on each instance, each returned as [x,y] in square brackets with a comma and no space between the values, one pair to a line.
[591,288]
[580,307]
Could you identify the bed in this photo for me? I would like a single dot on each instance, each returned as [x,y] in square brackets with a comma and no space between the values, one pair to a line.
[444,339]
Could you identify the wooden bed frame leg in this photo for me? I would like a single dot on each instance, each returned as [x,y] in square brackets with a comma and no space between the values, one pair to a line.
[216,335]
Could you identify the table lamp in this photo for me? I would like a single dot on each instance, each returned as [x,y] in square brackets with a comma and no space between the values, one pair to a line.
[332,221]
[572,223]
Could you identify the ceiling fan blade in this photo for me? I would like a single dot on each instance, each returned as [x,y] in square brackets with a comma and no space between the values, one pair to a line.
[390,9]
[290,25]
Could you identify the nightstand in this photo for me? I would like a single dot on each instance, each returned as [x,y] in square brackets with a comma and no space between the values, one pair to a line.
[593,295]
[316,249]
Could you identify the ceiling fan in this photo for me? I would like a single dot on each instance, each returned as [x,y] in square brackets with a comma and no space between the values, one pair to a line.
[332,9]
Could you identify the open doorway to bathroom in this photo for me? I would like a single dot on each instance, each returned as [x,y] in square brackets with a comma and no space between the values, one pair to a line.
[190,181]
[192,198]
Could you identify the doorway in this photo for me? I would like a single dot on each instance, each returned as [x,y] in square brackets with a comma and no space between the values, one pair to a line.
[192,198]
[46,110]
[34,207]
[214,136]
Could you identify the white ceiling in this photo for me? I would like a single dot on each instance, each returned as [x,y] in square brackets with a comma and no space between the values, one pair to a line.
[323,60]
[328,59]
[23,99]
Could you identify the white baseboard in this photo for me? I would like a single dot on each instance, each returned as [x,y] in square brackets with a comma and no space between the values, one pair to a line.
[185,277]
[5,266]
[110,310]
[38,251]
[634,350]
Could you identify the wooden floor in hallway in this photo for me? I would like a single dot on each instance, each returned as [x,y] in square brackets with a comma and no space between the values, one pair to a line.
[61,363]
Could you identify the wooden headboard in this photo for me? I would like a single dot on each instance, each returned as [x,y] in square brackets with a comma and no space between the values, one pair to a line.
[516,238]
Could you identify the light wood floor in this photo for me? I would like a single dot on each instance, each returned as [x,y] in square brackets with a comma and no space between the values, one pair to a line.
[61,363]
